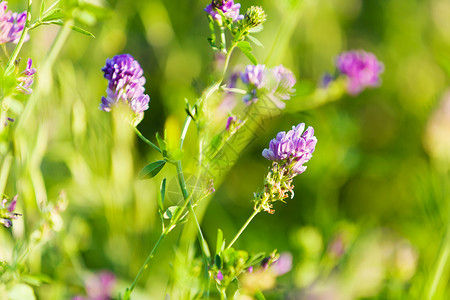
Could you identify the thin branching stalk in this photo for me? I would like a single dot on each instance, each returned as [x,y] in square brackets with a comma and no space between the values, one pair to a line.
[10,65]
[255,212]
[143,138]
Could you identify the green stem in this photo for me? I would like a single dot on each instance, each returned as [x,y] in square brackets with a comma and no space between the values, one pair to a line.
[4,173]
[440,266]
[142,137]
[55,49]
[223,45]
[147,261]
[227,62]
[255,212]
[10,66]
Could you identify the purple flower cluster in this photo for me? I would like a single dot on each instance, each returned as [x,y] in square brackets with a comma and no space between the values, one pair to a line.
[26,80]
[362,69]
[126,85]
[277,83]
[294,147]
[254,75]
[11,24]
[7,211]
[227,7]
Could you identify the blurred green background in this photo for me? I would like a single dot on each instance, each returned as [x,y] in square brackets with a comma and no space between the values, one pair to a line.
[370,214]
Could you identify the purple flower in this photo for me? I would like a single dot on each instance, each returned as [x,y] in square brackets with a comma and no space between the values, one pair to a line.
[228,8]
[326,80]
[126,84]
[254,75]
[233,124]
[362,69]
[26,80]
[295,146]
[286,81]
[99,286]
[11,24]
[276,83]
[283,264]
[219,276]
[7,213]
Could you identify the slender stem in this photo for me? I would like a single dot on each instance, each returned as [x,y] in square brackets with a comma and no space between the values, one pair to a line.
[227,61]
[5,50]
[255,212]
[440,266]
[146,140]
[4,173]
[223,46]
[147,261]
[55,49]
[10,66]
[186,124]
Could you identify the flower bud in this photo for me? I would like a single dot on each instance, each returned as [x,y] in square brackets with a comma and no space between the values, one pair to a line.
[254,16]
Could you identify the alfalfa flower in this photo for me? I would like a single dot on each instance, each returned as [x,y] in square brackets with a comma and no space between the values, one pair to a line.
[361,68]
[126,85]
[288,153]
[225,8]
[11,24]
[276,83]
[26,79]
[7,213]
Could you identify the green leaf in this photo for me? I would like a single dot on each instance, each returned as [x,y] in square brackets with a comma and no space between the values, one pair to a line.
[256,29]
[255,41]
[219,241]
[127,294]
[36,279]
[218,262]
[251,57]
[21,292]
[171,211]
[259,295]
[52,14]
[42,8]
[245,46]
[176,155]
[82,31]
[162,144]
[161,195]
[150,170]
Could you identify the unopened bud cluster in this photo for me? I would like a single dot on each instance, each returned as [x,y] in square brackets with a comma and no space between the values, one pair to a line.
[254,16]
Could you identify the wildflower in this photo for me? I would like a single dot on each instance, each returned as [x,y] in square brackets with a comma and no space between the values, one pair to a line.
[361,68]
[293,148]
[276,83]
[254,75]
[27,79]
[288,152]
[219,276]
[126,85]
[11,24]
[286,81]
[227,8]
[283,264]
[7,213]
[99,286]
[254,16]
[233,124]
